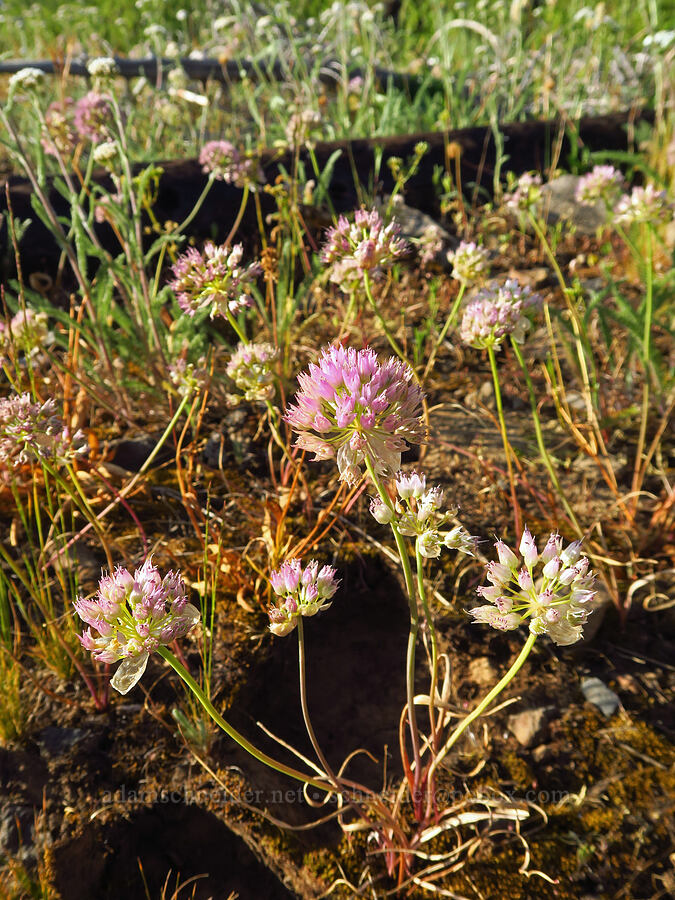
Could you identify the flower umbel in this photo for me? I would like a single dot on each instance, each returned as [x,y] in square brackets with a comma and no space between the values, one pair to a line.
[469,262]
[555,599]
[301,592]
[644,204]
[417,513]
[250,367]
[495,312]
[134,615]
[526,193]
[350,406]
[30,432]
[93,116]
[224,162]
[364,245]
[214,280]
[602,183]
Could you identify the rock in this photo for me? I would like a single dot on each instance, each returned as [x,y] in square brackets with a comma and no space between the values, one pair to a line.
[482,672]
[527,726]
[559,204]
[597,693]
[55,740]
[17,824]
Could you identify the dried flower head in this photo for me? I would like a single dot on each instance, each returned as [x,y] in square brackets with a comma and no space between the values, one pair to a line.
[352,407]
[93,117]
[31,432]
[469,262]
[300,126]
[644,204]
[555,599]
[365,245]
[601,183]
[134,615]
[214,280]
[58,136]
[301,592]
[495,312]
[250,367]
[526,193]
[224,162]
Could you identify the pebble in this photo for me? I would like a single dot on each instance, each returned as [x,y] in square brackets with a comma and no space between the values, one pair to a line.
[527,726]
[597,693]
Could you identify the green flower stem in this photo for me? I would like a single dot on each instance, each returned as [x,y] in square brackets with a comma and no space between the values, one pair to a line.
[235,325]
[638,468]
[576,324]
[505,440]
[182,672]
[195,209]
[305,709]
[546,459]
[414,618]
[487,700]
[240,215]
[421,591]
[452,315]
[390,337]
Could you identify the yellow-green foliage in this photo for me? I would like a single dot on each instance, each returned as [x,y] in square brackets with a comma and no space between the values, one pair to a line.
[13,712]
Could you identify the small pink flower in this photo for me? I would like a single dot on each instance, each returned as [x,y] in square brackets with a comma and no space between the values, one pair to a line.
[555,602]
[352,407]
[222,160]
[302,592]
[93,117]
[365,245]
[134,615]
[214,280]
[496,312]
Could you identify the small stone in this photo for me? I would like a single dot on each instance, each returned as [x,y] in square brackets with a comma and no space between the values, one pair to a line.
[543,752]
[55,741]
[482,672]
[597,693]
[527,726]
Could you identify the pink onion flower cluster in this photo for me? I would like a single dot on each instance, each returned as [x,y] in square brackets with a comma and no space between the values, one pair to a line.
[469,262]
[214,280]
[601,183]
[526,194]
[495,312]
[644,205]
[224,162]
[301,592]
[365,245]
[93,117]
[134,615]
[352,407]
[250,367]
[32,432]
[417,513]
[556,598]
